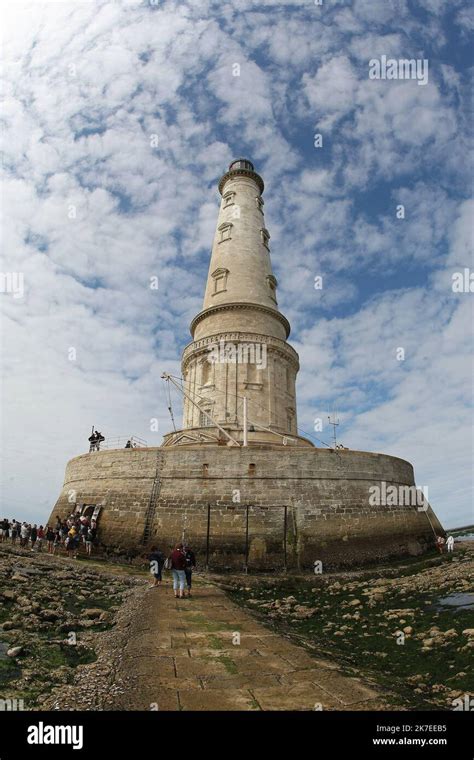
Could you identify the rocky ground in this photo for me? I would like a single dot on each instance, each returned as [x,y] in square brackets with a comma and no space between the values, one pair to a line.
[66,625]
[56,616]
[391,625]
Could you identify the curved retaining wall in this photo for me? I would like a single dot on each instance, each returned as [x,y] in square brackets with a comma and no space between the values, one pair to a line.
[329,517]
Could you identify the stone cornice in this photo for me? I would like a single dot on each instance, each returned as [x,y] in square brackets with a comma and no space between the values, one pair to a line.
[275,345]
[243,173]
[239,305]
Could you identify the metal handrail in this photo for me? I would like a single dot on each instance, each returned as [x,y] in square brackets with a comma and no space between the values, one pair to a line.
[119,442]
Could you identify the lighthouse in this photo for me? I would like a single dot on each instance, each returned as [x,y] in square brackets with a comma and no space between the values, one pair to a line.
[239,372]
[238,477]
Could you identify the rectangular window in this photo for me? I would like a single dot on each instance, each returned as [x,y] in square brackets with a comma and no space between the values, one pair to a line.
[219,284]
[265,237]
[203,420]
[225,230]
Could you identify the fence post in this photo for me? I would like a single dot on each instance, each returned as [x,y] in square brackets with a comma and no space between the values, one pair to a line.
[246,569]
[208,534]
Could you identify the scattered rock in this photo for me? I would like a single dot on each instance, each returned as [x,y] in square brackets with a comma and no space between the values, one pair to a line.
[92,612]
[14,651]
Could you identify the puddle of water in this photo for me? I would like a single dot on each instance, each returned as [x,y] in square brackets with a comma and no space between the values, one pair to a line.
[459,601]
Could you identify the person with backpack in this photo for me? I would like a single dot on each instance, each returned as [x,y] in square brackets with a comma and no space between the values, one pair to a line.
[72,542]
[190,566]
[156,559]
[177,563]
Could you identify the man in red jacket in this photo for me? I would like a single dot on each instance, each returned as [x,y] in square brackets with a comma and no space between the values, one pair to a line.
[178,565]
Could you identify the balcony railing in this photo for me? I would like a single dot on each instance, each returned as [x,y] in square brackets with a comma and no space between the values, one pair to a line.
[121,441]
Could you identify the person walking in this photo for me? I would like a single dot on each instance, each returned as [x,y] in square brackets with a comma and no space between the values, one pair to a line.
[178,565]
[72,541]
[90,538]
[157,560]
[57,540]
[49,538]
[40,538]
[450,544]
[4,526]
[15,529]
[24,534]
[440,544]
[33,536]
[190,566]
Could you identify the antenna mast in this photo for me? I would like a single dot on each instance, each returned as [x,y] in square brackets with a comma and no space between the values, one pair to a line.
[334,423]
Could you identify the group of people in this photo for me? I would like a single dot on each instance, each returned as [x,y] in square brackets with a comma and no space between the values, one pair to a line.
[68,533]
[441,543]
[181,562]
[25,533]
[74,531]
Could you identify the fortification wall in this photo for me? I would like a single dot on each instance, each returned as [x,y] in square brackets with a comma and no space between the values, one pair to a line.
[326,494]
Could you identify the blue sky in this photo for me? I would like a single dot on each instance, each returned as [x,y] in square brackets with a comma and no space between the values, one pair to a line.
[93,208]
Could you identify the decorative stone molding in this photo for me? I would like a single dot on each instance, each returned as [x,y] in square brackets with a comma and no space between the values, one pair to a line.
[236,306]
[274,345]
[242,173]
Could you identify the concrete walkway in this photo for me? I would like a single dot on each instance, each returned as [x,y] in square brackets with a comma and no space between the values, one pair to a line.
[207,653]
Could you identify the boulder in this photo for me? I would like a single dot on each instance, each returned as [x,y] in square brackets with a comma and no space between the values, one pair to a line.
[20,578]
[14,651]
[93,612]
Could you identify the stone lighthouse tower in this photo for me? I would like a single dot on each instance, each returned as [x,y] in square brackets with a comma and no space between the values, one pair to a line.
[239,371]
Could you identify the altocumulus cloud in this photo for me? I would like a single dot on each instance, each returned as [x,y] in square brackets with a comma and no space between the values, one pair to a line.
[118,120]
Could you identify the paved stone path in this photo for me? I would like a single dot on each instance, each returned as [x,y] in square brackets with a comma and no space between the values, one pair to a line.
[183,657]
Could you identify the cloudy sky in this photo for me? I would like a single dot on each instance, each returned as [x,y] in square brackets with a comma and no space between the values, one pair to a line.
[119,118]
